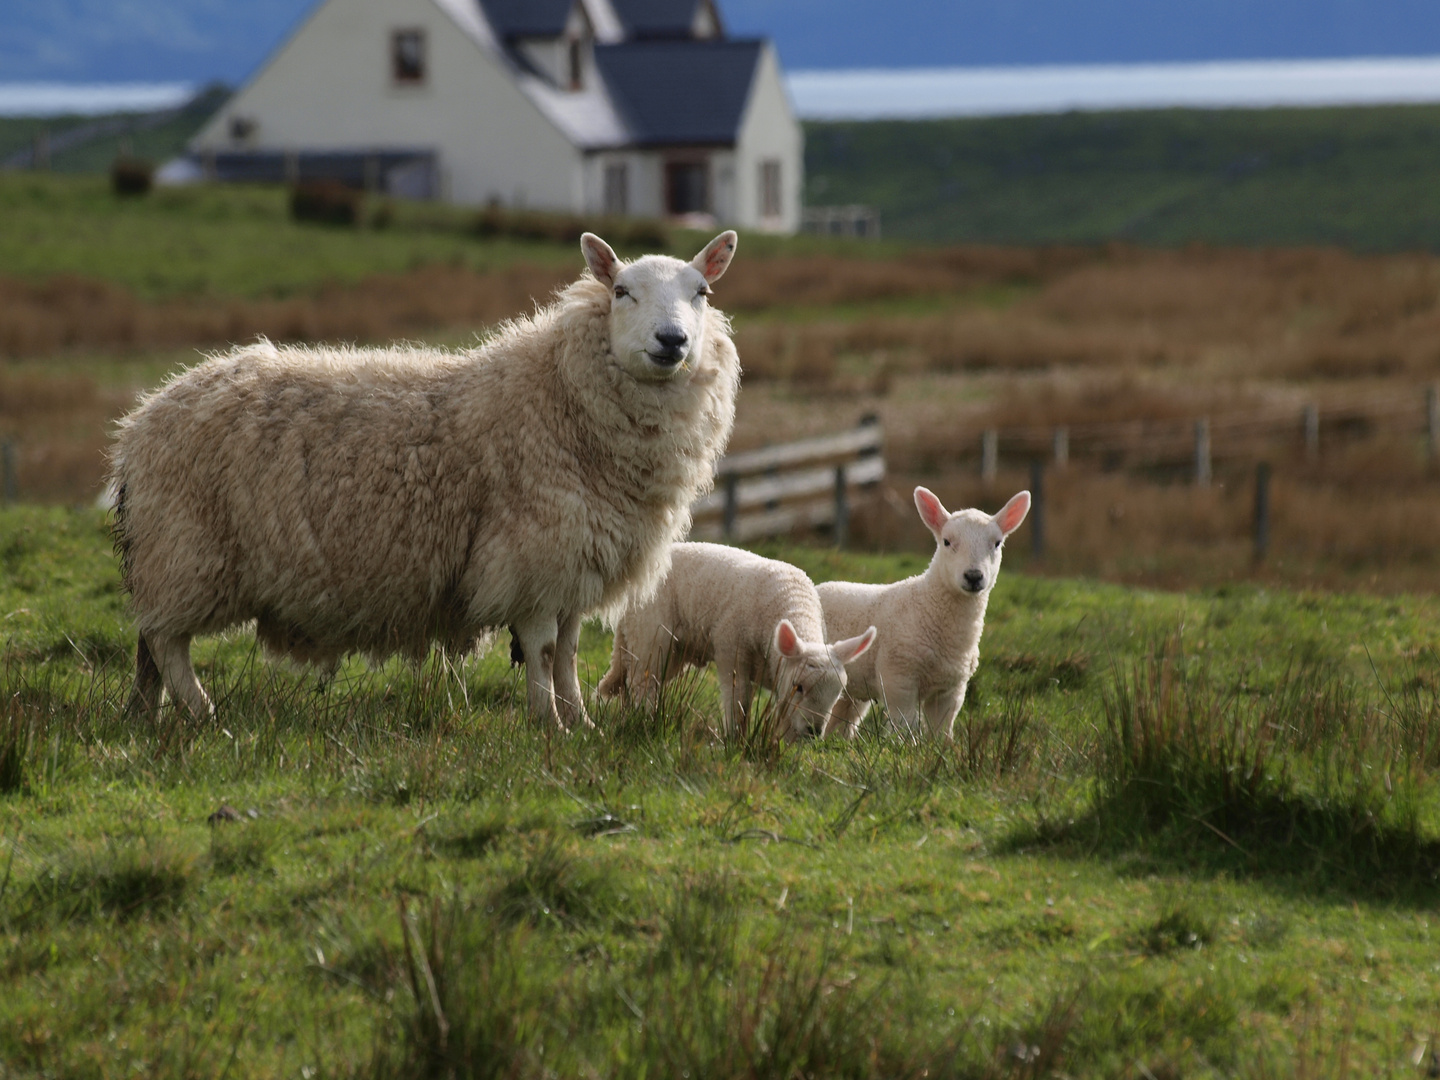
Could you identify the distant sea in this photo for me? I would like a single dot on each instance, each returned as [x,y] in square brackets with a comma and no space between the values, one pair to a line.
[917,93]
[90,99]
[921,93]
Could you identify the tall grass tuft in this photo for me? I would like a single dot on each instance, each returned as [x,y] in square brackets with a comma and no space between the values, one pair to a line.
[555,888]
[122,880]
[1294,785]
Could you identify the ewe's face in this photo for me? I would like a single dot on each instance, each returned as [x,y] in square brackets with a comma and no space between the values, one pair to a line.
[658,305]
[969,543]
[657,316]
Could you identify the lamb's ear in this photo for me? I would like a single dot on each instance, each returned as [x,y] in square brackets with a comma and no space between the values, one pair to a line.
[851,649]
[1013,513]
[715,259]
[787,641]
[931,511]
[600,257]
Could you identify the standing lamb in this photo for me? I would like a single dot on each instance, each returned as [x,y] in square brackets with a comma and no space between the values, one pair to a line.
[758,619]
[930,624]
[379,500]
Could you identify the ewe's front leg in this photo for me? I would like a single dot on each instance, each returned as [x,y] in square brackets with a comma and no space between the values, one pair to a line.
[569,697]
[537,640]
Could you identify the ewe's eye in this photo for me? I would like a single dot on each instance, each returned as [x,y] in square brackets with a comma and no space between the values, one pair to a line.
[704,290]
[621,292]
[997,544]
[799,689]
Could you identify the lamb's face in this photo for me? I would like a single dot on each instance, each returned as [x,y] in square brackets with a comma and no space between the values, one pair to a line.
[811,676]
[658,305]
[969,543]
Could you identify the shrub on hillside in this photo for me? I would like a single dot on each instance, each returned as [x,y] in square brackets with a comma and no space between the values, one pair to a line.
[131,176]
[327,202]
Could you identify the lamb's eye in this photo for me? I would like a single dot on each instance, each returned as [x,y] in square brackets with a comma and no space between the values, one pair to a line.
[799,689]
[621,292]
[997,545]
[947,543]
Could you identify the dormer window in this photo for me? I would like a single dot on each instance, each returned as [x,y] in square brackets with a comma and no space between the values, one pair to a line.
[407,57]
[575,58]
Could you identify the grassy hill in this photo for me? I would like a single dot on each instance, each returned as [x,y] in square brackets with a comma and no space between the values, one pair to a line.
[1363,178]
[1178,835]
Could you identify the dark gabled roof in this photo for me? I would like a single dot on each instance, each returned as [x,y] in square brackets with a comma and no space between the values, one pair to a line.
[671,92]
[656,18]
[512,19]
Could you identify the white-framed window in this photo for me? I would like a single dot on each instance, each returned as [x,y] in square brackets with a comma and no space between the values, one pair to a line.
[770,200]
[687,187]
[407,57]
[617,188]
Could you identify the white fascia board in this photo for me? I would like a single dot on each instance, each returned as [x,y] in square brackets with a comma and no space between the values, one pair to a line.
[587,118]
[604,20]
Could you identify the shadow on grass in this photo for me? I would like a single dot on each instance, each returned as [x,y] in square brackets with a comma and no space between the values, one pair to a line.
[1302,788]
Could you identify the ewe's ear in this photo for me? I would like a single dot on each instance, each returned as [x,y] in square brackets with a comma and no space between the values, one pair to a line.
[787,641]
[600,257]
[851,649]
[931,511]
[715,259]
[1013,513]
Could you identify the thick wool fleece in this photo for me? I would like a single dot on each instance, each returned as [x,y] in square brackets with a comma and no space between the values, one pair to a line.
[378,500]
[721,604]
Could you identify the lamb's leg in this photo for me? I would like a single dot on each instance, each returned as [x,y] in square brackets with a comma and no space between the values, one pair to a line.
[734,679]
[845,717]
[569,697]
[615,679]
[145,695]
[172,655]
[537,639]
[902,702]
[941,710]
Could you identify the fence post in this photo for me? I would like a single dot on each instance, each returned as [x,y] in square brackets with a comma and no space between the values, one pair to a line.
[1310,421]
[8,472]
[1061,442]
[1037,509]
[1262,510]
[1432,420]
[989,454]
[1202,452]
[732,505]
[842,508]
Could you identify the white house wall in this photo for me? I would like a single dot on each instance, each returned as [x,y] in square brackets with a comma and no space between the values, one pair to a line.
[769,130]
[330,88]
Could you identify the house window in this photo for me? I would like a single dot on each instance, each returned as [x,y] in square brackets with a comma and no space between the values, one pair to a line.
[574,59]
[617,194]
[407,56]
[770,188]
[687,187]
[242,128]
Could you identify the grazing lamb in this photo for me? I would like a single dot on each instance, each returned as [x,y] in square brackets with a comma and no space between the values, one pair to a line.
[379,500]
[758,619]
[930,624]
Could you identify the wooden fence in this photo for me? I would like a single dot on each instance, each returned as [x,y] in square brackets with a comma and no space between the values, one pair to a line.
[774,490]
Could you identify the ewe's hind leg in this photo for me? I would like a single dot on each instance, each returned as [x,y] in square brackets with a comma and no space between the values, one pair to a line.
[537,639]
[173,656]
[145,695]
[569,697]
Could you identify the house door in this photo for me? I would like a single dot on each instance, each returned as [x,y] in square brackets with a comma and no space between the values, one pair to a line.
[687,187]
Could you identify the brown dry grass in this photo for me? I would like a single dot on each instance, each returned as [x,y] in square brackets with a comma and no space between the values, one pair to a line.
[1125,347]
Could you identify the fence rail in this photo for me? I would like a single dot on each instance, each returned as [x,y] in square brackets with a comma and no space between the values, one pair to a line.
[776,489]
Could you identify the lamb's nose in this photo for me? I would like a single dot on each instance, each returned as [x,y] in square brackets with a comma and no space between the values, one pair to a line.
[671,339]
[974,579]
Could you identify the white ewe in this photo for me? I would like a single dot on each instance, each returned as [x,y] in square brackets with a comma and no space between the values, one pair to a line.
[758,619]
[930,624]
[379,500]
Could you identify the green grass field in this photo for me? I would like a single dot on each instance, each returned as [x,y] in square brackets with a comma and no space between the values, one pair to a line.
[1178,835]
[1361,178]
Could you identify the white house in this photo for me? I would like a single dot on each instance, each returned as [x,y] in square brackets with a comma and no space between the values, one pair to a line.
[639,107]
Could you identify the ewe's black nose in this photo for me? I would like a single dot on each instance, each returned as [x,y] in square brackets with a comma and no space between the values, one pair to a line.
[671,339]
[974,579]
